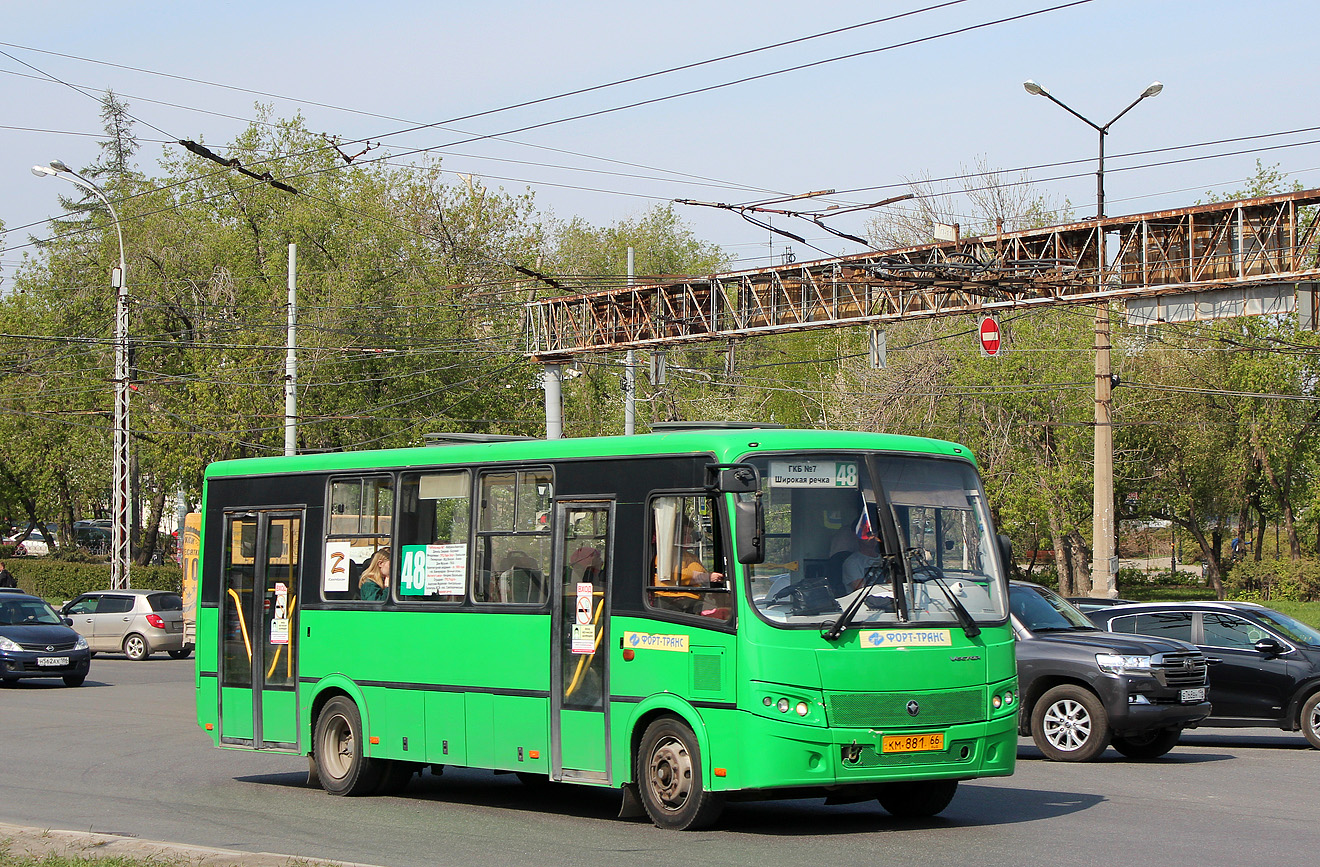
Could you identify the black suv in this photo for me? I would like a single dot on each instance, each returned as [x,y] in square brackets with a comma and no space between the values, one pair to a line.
[1083,688]
[1264,665]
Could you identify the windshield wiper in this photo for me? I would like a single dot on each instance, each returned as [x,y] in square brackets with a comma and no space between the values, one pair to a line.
[969,626]
[880,515]
[872,575]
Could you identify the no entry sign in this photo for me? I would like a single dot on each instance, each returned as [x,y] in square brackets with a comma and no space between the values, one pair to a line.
[992,343]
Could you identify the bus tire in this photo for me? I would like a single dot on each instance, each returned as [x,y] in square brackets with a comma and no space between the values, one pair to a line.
[395,776]
[917,799]
[669,778]
[340,764]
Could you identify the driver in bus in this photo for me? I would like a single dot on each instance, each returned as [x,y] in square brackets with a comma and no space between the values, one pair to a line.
[866,555]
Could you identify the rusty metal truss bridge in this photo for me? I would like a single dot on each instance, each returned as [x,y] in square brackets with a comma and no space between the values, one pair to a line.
[1262,243]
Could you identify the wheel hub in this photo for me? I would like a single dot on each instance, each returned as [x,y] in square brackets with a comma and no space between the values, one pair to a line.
[671,773]
[1067,725]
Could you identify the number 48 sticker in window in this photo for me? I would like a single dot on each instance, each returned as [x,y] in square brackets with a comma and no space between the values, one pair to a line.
[845,474]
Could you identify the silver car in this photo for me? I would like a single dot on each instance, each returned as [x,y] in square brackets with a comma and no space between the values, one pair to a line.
[135,622]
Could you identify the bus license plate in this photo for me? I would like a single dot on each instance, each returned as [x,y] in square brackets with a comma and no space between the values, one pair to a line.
[52,660]
[1191,696]
[912,743]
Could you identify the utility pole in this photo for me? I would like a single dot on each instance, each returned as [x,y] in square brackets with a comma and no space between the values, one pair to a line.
[1104,559]
[630,371]
[120,540]
[291,361]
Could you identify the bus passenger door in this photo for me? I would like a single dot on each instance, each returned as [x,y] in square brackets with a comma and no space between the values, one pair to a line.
[579,677]
[258,667]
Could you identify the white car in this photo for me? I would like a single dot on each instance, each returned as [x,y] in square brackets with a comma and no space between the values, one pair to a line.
[29,543]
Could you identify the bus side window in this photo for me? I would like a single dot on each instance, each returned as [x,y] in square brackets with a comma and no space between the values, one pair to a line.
[689,574]
[513,537]
[360,519]
[435,516]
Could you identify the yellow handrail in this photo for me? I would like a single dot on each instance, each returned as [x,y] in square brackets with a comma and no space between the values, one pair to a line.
[242,623]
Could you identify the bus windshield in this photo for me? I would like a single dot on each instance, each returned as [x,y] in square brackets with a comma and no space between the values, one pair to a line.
[823,549]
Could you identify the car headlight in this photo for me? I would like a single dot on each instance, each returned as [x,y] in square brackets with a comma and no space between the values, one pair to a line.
[8,644]
[1117,664]
[80,644]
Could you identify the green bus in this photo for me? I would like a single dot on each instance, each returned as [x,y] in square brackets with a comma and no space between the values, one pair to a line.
[699,614]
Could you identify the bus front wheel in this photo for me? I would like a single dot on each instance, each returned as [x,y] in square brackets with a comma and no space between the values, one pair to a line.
[669,778]
[342,767]
[917,799]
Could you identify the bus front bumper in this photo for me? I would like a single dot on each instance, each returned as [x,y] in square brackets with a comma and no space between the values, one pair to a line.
[776,754]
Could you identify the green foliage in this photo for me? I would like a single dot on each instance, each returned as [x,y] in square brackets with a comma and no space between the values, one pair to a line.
[60,580]
[1161,591]
[1266,581]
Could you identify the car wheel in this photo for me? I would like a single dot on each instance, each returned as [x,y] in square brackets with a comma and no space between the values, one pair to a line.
[918,799]
[1069,724]
[74,679]
[1147,745]
[1311,720]
[669,778]
[340,764]
[179,654]
[135,647]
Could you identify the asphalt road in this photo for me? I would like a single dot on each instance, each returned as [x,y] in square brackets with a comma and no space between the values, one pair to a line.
[123,755]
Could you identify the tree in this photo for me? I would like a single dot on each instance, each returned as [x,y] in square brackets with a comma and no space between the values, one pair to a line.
[586,257]
[996,203]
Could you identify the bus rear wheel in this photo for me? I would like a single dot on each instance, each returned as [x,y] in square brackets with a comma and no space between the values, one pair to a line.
[917,799]
[340,764]
[669,778]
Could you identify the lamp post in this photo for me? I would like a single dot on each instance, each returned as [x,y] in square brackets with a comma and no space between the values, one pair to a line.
[119,542]
[1104,561]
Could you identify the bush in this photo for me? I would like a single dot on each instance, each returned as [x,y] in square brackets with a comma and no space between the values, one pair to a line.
[60,579]
[1268,580]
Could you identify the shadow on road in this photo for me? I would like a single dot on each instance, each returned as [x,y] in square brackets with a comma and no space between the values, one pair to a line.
[974,806]
[1179,755]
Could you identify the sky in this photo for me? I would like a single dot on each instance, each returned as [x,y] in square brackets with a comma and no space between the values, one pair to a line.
[863,111]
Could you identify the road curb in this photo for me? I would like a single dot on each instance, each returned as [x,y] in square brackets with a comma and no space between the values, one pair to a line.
[38,843]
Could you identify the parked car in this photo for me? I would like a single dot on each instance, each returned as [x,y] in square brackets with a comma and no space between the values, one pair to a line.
[137,623]
[1082,688]
[92,537]
[36,642]
[1092,603]
[29,543]
[1264,665]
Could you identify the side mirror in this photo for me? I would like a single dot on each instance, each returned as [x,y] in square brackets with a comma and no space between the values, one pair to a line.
[1269,647]
[749,531]
[1005,551]
[733,478]
[67,621]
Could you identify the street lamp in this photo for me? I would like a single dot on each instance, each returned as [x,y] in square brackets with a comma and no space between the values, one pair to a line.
[1104,562]
[119,543]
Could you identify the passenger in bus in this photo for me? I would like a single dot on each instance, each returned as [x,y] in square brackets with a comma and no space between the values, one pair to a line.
[374,585]
[689,571]
[520,579]
[586,564]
